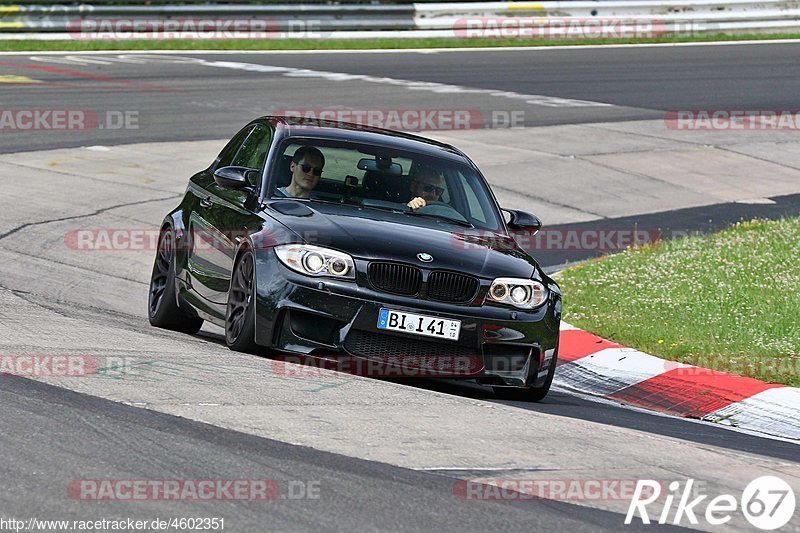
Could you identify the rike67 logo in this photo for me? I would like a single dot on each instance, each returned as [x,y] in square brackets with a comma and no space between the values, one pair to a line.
[768,503]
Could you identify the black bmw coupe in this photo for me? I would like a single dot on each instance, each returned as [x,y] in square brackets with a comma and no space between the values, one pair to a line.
[338,241]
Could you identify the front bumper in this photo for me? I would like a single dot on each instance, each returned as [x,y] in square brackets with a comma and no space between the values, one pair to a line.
[337,321]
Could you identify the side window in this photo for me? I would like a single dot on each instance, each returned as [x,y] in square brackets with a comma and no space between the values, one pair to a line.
[229,152]
[475,209]
[254,148]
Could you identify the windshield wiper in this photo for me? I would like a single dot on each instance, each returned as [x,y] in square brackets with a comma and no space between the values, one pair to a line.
[350,201]
[343,201]
[460,222]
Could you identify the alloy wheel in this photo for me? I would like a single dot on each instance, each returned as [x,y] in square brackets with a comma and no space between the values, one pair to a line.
[240,297]
[161,270]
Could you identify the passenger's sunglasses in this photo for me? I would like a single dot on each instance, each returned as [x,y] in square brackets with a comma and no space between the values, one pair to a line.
[308,168]
[427,187]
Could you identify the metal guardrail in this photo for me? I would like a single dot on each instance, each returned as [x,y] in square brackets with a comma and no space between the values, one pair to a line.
[224,2]
[420,19]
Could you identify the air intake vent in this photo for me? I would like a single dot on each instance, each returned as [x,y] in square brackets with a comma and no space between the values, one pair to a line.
[378,345]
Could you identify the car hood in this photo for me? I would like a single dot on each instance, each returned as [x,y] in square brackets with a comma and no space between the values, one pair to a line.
[383,235]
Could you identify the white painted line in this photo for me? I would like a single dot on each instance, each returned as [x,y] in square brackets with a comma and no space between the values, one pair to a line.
[420,50]
[139,59]
[434,87]
[479,468]
[755,201]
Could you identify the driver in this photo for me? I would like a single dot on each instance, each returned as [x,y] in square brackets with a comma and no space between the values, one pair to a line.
[426,186]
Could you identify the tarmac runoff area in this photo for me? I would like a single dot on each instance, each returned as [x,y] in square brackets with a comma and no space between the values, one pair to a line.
[60,300]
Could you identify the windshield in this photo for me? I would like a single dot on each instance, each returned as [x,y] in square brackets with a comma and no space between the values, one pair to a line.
[384,178]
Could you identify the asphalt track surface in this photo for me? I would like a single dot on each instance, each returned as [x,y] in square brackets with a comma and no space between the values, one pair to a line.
[356,495]
[189,101]
[52,435]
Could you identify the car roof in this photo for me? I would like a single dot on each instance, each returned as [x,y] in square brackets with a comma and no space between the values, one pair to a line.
[334,130]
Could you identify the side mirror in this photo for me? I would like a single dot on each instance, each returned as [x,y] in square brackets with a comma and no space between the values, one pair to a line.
[520,220]
[234,177]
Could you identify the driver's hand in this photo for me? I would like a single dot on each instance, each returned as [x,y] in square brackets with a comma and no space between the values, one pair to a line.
[416,203]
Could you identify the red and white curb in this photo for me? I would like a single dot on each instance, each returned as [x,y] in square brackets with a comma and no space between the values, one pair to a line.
[592,365]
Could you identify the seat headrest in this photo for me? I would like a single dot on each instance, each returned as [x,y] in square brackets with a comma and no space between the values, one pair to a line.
[284,173]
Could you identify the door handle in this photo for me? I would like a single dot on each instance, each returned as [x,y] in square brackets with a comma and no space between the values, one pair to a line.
[206,202]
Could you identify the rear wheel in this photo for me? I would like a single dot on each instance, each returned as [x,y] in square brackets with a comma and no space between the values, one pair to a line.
[240,314]
[528,394]
[162,305]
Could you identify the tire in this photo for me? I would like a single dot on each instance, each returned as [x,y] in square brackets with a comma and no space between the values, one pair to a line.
[162,304]
[240,321]
[528,394]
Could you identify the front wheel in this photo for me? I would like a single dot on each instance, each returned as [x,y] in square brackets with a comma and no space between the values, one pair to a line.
[162,304]
[240,313]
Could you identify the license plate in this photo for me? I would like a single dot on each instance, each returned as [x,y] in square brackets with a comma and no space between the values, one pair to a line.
[429,326]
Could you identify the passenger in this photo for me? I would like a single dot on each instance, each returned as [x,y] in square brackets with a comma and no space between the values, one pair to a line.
[306,167]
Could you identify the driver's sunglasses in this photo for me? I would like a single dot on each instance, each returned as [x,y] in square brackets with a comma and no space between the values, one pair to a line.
[308,168]
[427,187]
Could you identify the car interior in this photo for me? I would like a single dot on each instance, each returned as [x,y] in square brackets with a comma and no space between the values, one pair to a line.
[382,182]
[365,185]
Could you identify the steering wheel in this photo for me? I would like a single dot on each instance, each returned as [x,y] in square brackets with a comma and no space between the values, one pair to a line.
[441,209]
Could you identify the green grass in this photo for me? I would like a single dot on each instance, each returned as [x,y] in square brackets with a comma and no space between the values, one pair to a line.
[350,44]
[728,301]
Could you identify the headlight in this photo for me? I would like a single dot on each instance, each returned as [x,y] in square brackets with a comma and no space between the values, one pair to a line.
[316,261]
[522,293]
